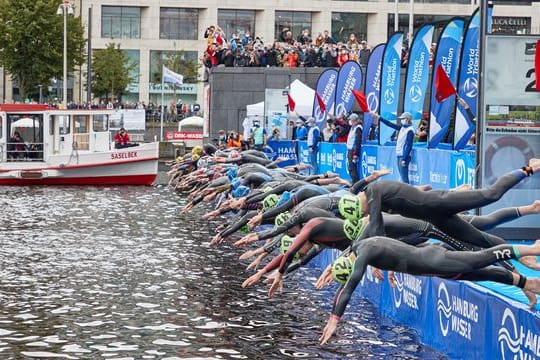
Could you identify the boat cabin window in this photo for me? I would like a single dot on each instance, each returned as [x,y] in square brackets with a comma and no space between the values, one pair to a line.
[25,137]
[63,124]
[81,132]
[100,122]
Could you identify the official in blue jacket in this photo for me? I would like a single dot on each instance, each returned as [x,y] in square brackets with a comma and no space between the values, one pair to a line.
[313,138]
[404,142]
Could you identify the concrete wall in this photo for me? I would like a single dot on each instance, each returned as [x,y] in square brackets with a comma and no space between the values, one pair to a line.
[232,89]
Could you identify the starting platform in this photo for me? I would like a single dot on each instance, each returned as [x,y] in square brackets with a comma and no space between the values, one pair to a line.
[462,319]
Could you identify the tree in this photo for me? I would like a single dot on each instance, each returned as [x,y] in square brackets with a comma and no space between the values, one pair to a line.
[32,42]
[111,68]
[178,62]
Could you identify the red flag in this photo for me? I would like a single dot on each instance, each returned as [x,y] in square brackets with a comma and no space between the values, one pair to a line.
[292,104]
[322,105]
[443,86]
[537,65]
[361,100]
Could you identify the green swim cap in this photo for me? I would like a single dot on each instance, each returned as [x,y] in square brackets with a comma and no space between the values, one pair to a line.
[244,229]
[341,269]
[350,207]
[286,242]
[281,218]
[353,228]
[267,188]
[270,201]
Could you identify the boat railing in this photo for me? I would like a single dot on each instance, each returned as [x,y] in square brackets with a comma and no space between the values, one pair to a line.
[17,151]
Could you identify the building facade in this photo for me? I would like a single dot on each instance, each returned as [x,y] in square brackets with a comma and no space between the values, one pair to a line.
[150,31]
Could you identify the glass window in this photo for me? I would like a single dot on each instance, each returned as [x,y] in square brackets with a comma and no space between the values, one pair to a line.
[134,57]
[419,20]
[236,22]
[160,57]
[120,22]
[81,123]
[345,24]
[294,21]
[100,122]
[177,23]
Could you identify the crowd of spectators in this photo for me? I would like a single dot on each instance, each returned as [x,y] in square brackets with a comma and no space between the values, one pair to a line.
[302,50]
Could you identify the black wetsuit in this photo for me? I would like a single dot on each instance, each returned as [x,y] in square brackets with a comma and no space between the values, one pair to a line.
[389,254]
[439,207]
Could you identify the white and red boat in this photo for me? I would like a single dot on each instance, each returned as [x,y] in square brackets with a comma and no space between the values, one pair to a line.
[69,147]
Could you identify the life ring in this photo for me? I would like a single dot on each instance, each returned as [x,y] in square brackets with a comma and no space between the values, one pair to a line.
[504,142]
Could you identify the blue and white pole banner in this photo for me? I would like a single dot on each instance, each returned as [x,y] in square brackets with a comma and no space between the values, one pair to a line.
[447,55]
[349,78]
[390,81]
[468,80]
[417,79]
[326,88]
[373,87]
[283,149]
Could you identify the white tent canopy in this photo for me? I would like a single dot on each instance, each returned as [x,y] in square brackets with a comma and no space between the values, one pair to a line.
[255,109]
[25,123]
[192,121]
[302,95]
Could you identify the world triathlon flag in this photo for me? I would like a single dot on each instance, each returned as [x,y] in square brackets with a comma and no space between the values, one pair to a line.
[326,88]
[447,55]
[390,81]
[349,78]
[467,85]
[171,77]
[417,79]
[373,87]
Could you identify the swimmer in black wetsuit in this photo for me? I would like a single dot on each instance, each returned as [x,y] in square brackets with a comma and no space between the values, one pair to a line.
[438,207]
[389,254]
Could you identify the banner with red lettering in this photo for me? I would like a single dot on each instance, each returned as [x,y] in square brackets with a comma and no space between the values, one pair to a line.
[182,135]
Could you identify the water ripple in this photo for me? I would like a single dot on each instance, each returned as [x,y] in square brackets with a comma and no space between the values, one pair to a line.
[119,273]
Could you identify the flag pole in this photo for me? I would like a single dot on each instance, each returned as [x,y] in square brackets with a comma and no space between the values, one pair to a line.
[162,105]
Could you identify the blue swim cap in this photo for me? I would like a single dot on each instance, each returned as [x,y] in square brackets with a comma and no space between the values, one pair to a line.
[283,198]
[235,183]
[240,191]
[232,172]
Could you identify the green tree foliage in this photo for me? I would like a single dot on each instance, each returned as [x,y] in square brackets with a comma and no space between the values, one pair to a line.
[111,71]
[32,42]
[178,62]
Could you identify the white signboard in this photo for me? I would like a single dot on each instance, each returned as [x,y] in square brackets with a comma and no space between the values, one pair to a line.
[510,77]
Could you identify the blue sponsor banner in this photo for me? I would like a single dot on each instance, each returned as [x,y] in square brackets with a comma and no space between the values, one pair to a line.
[416,82]
[447,55]
[386,159]
[468,82]
[326,88]
[373,87]
[462,168]
[406,301]
[390,81]
[283,149]
[439,168]
[369,160]
[349,78]
[303,152]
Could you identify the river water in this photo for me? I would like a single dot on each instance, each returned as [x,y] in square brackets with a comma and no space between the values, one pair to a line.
[119,273]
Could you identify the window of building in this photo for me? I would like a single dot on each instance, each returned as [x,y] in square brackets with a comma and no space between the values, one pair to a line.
[178,23]
[345,24]
[236,22]
[134,58]
[419,20]
[158,58]
[120,22]
[294,21]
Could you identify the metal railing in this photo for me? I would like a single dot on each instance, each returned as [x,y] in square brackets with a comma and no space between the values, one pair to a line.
[17,151]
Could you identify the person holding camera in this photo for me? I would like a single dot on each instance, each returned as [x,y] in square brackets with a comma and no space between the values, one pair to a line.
[121,139]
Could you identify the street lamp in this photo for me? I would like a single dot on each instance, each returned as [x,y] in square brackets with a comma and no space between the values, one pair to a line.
[65,9]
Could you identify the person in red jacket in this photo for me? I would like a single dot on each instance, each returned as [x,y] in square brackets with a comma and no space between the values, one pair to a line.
[121,139]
